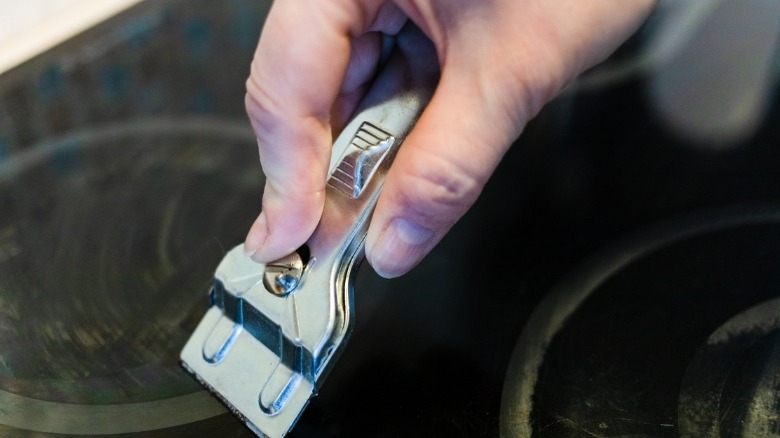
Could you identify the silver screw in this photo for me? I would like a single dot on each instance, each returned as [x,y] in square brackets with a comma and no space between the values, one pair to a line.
[282,276]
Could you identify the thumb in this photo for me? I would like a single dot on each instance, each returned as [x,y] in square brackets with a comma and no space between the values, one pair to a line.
[438,173]
[496,75]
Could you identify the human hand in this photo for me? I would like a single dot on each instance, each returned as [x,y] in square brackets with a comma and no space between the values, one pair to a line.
[501,61]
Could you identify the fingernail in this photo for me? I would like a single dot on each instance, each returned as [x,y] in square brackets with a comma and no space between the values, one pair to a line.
[249,252]
[256,236]
[399,247]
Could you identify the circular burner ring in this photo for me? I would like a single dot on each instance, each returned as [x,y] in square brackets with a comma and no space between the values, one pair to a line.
[35,414]
[565,298]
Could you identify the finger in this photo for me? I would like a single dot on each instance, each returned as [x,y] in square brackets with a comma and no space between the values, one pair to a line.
[297,72]
[367,50]
[436,176]
[362,67]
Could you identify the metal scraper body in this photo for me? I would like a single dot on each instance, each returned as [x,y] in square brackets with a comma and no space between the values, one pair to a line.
[272,333]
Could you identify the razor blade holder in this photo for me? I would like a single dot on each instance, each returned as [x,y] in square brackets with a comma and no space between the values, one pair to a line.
[265,354]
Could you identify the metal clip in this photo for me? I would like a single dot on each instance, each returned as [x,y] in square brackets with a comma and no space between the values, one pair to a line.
[273,333]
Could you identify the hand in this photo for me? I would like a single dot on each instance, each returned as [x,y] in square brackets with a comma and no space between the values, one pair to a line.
[501,61]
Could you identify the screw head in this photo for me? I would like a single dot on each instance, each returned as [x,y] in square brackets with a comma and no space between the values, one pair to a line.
[282,276]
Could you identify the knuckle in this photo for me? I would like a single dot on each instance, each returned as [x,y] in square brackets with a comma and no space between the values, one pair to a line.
[521,95]
[537,76]
[262,105]
[274,118]
[437,189]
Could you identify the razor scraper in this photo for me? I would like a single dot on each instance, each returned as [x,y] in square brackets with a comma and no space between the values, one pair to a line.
[272,333]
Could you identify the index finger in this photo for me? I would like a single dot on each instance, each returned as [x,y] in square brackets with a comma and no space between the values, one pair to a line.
[296,75]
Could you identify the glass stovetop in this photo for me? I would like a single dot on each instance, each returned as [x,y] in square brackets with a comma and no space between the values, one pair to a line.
[612,280]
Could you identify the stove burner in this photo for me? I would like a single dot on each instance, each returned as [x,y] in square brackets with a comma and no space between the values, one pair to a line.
[108,239]
[675,332]
[732,385]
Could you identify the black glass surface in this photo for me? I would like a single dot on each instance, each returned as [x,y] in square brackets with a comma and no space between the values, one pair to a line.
[127,172]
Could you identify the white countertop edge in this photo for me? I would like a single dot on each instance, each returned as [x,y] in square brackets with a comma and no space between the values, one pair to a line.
[44,35]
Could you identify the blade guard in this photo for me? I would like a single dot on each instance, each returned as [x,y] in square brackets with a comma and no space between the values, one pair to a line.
[265,353]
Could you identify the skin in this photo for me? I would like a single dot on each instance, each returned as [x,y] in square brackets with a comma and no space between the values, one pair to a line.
[501,61]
